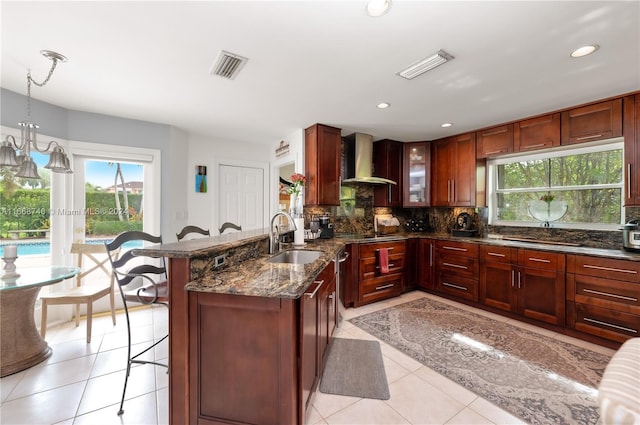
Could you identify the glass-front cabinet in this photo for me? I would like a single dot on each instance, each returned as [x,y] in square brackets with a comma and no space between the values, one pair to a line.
[417,174]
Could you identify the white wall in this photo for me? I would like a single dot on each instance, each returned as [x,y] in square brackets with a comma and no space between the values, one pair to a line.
[202,150]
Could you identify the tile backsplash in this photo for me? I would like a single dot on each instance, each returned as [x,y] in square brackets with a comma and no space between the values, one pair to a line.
[355,215]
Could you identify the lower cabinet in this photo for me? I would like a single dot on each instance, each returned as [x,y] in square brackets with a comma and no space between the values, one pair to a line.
[523,281]
[426,263]
[374,283]
[266,353]
[456,271]
[603,297]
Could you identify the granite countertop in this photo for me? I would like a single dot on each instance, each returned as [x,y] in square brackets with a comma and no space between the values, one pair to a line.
[259,277]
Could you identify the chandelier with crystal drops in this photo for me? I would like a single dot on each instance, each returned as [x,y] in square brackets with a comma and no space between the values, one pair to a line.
[22,162]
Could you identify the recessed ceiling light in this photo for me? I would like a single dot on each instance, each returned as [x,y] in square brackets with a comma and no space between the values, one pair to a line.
[446,124]
[378,7]
[584,51]
[383,105]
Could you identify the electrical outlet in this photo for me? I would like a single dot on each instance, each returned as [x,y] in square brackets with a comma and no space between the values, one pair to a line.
[219,260]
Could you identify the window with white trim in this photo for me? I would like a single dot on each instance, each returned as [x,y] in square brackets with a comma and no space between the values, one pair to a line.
[589,179]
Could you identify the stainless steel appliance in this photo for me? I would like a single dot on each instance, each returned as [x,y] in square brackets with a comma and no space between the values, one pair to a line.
[326,228]
[631,236]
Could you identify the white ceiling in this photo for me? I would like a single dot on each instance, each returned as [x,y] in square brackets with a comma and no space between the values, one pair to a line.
[321,61]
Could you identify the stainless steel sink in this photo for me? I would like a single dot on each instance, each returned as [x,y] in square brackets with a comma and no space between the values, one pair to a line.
[296,256]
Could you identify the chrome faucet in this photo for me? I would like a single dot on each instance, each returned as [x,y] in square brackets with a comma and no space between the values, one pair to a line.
[274,235]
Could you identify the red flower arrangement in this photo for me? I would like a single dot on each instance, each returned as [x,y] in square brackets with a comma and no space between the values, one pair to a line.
[547,198]
[297,183]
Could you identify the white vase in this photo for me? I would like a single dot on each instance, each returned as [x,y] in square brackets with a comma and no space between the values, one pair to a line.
[299,205]
[295,205]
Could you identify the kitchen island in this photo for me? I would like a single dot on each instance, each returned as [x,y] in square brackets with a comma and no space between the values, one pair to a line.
[247,337]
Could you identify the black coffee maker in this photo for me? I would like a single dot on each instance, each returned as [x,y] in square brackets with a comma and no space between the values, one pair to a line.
[326,228]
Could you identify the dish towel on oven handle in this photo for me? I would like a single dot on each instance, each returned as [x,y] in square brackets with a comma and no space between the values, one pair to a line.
[383,258]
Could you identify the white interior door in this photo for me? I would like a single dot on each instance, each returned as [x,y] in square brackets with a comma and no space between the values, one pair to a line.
[241,199]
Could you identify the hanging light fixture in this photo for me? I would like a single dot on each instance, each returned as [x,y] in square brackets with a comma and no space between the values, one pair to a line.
[23,162]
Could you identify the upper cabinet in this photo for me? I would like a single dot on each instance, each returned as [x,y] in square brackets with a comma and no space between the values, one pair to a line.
[454,171]
[632,150]
[537,133]
[592,122]
[417,174]
[387,163]
[495,141]
[322,165]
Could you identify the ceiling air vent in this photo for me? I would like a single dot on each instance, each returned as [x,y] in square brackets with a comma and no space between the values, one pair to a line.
[228,65]
[425,65]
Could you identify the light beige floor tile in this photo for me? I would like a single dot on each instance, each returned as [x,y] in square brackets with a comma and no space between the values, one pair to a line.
[469,417]
[65,422]
[162,377]
[357,333]
[422,403]
[367,412]
[585,344]
[73,349]
[399,357]
[494,413]
[46,377]
[107,389]
[139,410]
[446,385]
[393,370]
[328,404]
[8,383]
[162,401]
[46,407]
[313,417]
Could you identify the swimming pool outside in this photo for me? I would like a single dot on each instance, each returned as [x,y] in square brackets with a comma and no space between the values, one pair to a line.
[43,247]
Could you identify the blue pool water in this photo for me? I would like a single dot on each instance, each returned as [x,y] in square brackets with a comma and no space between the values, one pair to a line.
[44,248]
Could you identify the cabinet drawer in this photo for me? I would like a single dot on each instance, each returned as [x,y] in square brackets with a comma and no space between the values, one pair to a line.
[458,286]
[459,248]
[370,266]
[611,324]
[628,271]
[607,293]
[458,265]
[375,289]
[496,254]
[371,249]
[541,259]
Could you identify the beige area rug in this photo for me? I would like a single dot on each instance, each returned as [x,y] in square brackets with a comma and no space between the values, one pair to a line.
[538,379]
[355,368]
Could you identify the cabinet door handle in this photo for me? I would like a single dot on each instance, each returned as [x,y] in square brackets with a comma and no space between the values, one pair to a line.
[389,193]
[611,325]
[593,136]
[451,285]
[629,180]
[492,152]
[457,266]
[519,280]
[496,254]
[313,294]
[608,294]
[344,257]
[390,249]
[453,248]
[513,278]
[390,265]
[453,190]
[539,260]
[448,190]
[430,255]
[390,285]
[609,269]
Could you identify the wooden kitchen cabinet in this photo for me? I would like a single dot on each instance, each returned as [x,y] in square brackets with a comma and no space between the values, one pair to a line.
[454,171]
[537,133]
[456,271]
[598,121]
[417,175]
[426,263]
[495,141]
[322,165]
[373,285]
[632,150]
[387,163]
[603,297]
[523,281]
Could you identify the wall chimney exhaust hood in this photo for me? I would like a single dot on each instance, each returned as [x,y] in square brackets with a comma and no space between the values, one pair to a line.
[358,154]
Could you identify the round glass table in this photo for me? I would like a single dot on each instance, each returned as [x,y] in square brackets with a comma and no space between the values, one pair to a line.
[21,345]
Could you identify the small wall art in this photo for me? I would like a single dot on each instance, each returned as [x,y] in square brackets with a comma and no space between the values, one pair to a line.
[201,178]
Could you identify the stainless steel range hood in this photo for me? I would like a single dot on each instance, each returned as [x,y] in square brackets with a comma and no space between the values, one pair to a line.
[362,155]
